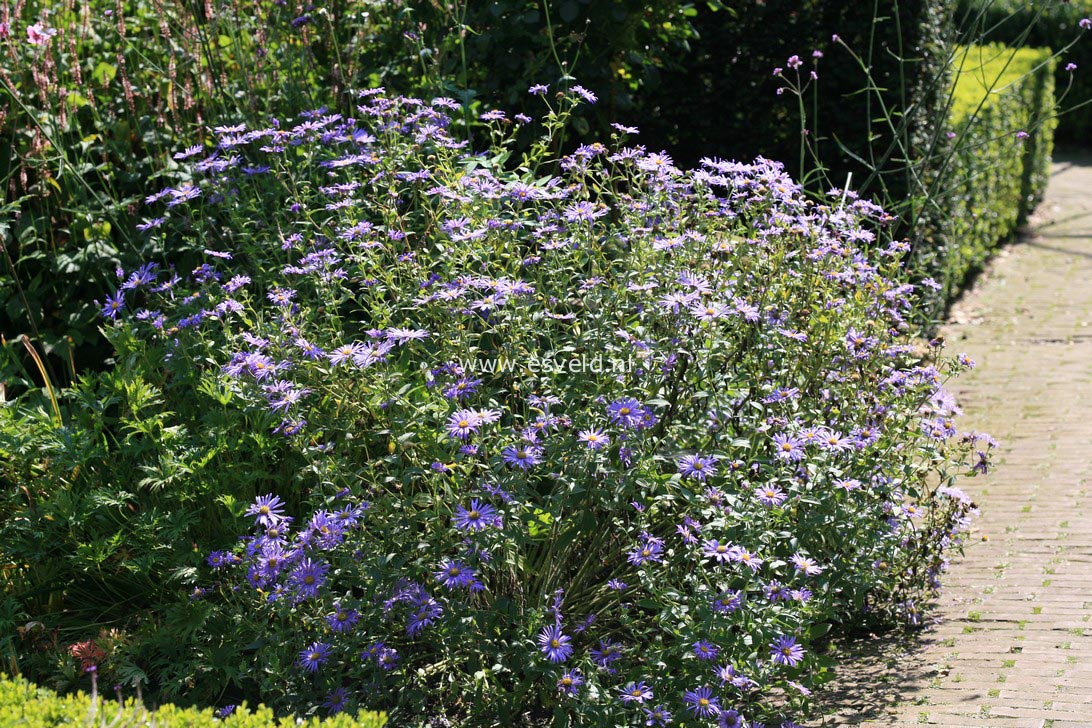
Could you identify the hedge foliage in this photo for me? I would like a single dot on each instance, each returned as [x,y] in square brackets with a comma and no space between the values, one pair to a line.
[1003,126]
[28,706]
[1053,24]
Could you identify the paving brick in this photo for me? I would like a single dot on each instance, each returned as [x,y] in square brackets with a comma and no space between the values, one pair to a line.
[1025,656]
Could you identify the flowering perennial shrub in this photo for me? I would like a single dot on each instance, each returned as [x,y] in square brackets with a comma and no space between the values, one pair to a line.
[589,439]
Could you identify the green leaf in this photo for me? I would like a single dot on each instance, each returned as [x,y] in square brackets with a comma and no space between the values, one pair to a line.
[104,73]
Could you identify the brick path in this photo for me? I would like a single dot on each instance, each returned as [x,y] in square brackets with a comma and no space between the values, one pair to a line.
[1013,646]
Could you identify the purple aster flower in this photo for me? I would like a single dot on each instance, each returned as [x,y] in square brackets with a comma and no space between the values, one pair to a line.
[732,719]
[523,456]
[477,518]
[388,658]
[342,619]
[463,423]
[705,650]
[584,94]
[556,646]
[770,495]
[606,653]
[113,305]
[834,441]
[848,484]
[719,552]
[788,448]
[584,211]
[617,585]
[425,615]
[142,276]
[776,591]
[402,335]
[806,565]
[346,353]
[627,413]
[745,557]
[221,559]
[658,716]
[454,574]
[268,510]
[638,692]
[595,439]
[697,466]
[727,601]
[308,577]
[702,703]
[336,701]
[800,688]
[314,656]
[281,296]
[650,549]
[569,683]
[785,651]
[462,388]
[728,675]
[709,311]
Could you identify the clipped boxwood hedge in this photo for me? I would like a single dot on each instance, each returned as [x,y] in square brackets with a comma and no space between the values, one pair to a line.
[1002,135]
[1051,24]
[26,705]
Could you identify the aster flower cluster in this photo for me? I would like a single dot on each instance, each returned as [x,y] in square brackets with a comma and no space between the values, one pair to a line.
[657,539]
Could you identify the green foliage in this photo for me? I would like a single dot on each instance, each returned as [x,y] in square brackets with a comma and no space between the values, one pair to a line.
[27,706]
[1002,122]
[109,512]
[1050,24]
